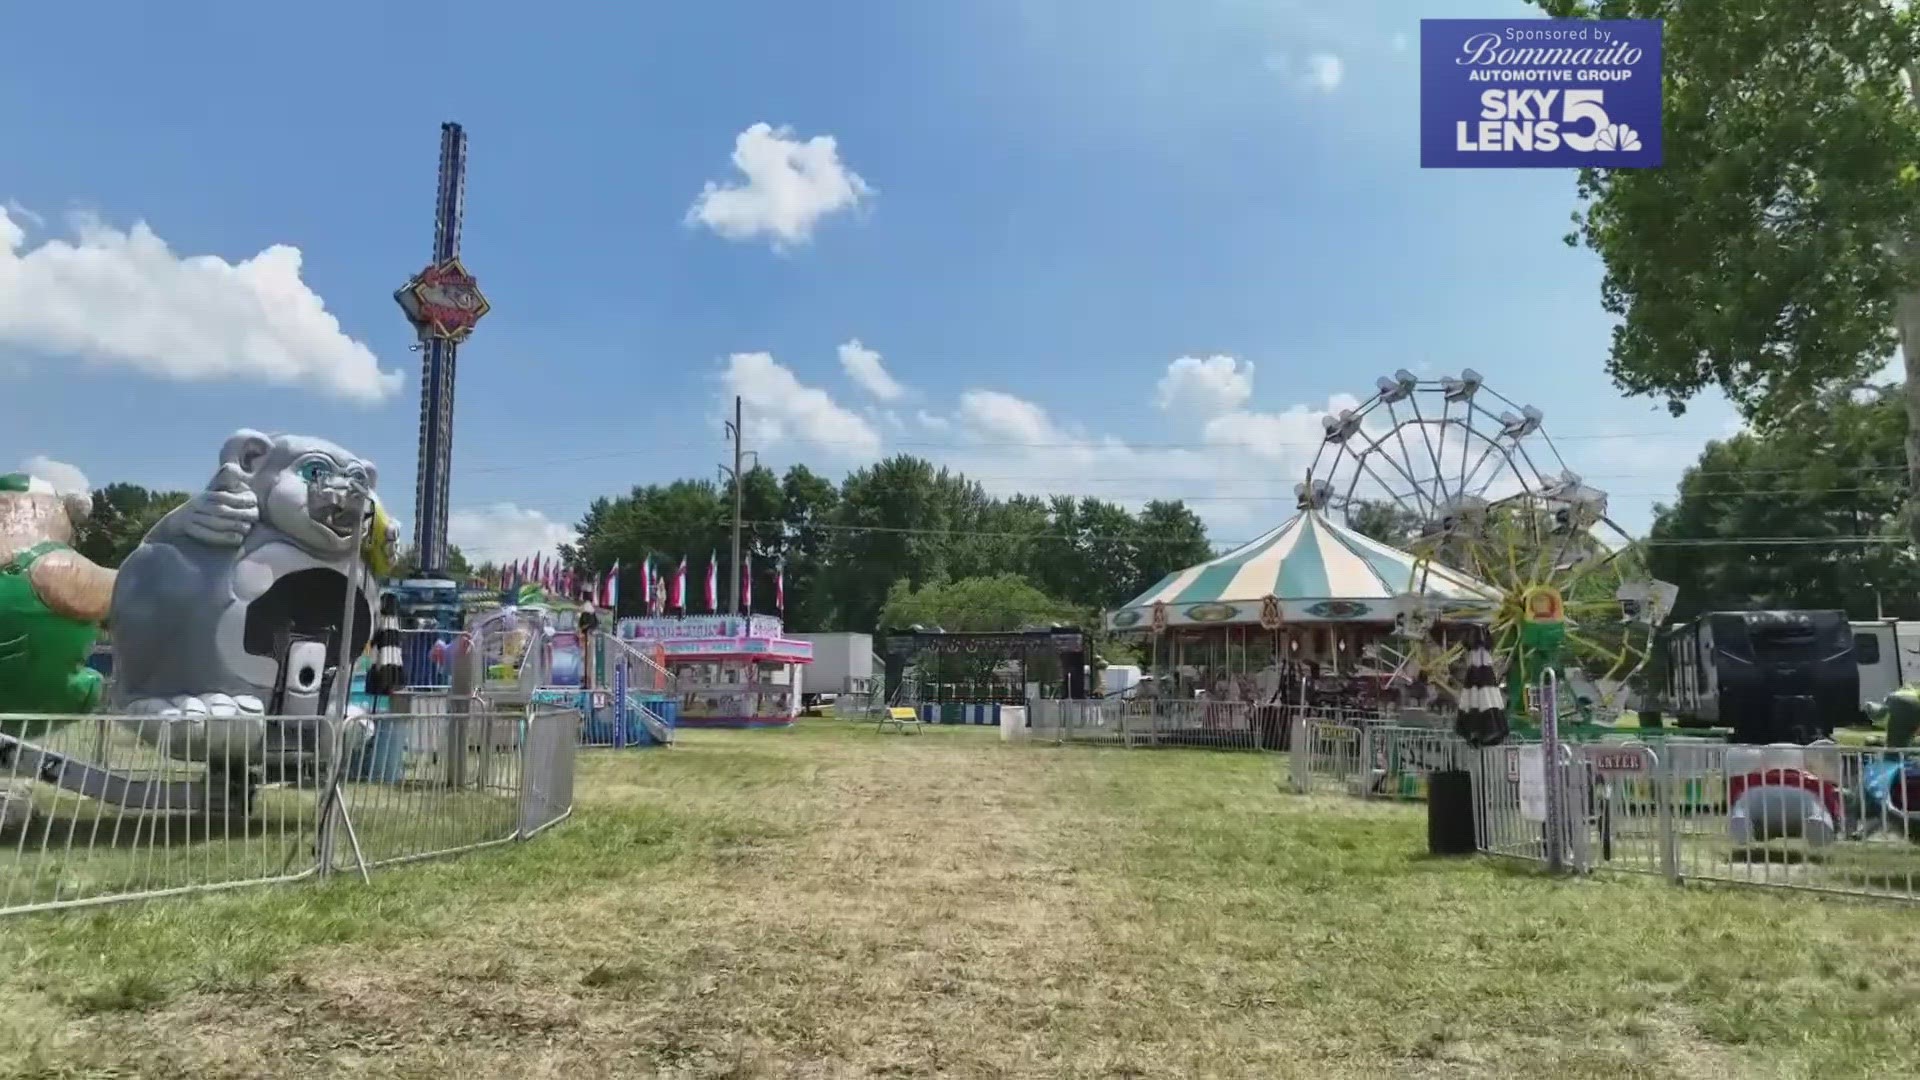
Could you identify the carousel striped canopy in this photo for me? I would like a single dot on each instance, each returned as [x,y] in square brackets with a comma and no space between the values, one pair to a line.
[1315,570]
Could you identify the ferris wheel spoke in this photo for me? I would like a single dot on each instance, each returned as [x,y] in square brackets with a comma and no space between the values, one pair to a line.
[1373,445]
[1487,450]
[1400,437]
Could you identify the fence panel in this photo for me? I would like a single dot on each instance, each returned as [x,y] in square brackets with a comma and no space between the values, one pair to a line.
[546,795]
[429,785]
[97,809]
[90,811]
[427,656]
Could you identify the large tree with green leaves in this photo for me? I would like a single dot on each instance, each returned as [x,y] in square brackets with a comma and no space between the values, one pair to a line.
[1837,475]
[1774,254]
[122,514]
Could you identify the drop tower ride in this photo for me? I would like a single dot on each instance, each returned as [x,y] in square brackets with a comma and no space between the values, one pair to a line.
[444,303]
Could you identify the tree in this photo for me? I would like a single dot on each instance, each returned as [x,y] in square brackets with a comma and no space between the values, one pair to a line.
[122,514]
[1170,537]
[807,503]
[1774,254]
[1837,474]
[1388,522]
[898,520]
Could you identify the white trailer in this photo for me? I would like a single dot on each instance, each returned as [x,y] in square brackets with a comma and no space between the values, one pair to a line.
[1119,678]
[842,663]
[1888,652]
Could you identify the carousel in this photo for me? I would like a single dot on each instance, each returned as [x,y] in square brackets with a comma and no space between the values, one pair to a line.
[1503,564]
[1302,609]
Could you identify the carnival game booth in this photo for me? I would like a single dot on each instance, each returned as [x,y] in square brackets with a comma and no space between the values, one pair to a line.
[726,670]
[1297,617]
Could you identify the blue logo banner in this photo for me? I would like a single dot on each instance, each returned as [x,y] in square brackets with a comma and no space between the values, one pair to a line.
[1539,93]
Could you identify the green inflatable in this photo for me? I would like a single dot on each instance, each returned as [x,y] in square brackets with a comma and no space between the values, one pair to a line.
[52,603]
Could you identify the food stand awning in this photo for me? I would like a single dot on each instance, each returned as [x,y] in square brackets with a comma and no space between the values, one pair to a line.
[1317,571]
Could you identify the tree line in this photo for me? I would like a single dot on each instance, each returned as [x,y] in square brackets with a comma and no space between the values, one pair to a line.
[892,529]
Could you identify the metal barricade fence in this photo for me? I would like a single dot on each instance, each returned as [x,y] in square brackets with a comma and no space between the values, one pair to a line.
[1153,722]
[1358,755]
[1820,818]
[97,809]
[427,656]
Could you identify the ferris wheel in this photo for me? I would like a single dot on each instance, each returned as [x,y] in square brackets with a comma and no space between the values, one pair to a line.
[1503,534]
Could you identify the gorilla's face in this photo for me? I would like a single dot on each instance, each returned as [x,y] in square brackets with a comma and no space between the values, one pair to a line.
[309,496]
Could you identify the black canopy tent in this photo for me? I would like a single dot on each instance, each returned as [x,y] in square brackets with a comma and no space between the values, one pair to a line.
[1069,643]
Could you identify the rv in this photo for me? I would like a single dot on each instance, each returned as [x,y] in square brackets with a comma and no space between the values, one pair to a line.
[1771,676]
[1888,652]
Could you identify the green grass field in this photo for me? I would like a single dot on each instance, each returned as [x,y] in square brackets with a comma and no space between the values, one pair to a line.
[830,902]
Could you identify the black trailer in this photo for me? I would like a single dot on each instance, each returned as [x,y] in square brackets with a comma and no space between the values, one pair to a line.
[1771,676]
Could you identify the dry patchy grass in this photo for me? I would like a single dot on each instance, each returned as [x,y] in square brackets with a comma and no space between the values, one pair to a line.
[832,902]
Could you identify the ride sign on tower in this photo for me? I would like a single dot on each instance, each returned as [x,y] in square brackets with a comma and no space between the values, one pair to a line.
[1539,93]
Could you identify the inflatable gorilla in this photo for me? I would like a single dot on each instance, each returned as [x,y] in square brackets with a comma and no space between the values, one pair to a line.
[204,609]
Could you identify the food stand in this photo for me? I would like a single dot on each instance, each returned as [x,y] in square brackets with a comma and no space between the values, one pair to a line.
[728,670]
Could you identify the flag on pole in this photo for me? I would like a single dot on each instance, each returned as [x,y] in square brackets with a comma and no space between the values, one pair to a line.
[610,592]
[713,581]
[646,585]
[746,585]
[780,586]
[680,586]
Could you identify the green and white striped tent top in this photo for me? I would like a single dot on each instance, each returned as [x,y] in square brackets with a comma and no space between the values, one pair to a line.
[1318,572]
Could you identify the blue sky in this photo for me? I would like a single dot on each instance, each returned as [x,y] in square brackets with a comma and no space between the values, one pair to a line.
[1057,199]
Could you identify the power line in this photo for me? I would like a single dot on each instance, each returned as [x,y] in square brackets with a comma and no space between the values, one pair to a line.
[907,530]
[996,445]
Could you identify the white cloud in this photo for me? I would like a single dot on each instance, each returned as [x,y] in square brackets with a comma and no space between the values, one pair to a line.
[124,300]
[65,478]
[503,532]
[931,422]
[790,187]
[1399,42]
[993,415]
[866,368]
[1208,387]
[779,407]
[1325,70]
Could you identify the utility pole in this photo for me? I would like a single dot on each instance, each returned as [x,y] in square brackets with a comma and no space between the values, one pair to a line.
[736,474]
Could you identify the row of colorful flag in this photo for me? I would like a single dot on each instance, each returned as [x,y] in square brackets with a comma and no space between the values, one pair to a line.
[659,592]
